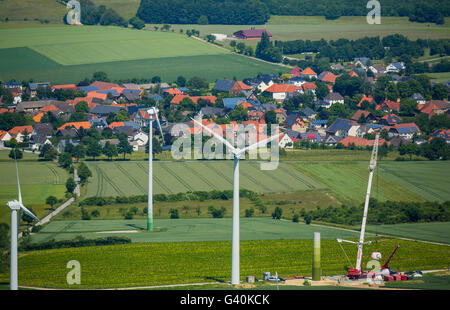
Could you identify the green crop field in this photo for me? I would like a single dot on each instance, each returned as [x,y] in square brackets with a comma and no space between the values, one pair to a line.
[170,263]
[128,178]
[63,54]
[188,230]
[435,232]
[38,181]
[395,181]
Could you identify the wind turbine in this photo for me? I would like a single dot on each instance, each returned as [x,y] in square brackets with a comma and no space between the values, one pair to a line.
[152,111]
[237,152]
[15,206]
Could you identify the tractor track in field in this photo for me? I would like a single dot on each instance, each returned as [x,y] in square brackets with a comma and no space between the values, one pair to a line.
[286,185]
[108,180]
[100,181]
[286,170]
[130,177]
[55,174]
[51,235]
[177,177]
[248,176]
[220,174]
[158,181]
[193,171]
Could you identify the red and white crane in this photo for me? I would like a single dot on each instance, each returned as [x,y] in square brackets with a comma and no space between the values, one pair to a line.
[372,165]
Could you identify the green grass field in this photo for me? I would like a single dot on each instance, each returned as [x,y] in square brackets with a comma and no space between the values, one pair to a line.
[193,262]
[395,181]
[188,230]
[66,54]
[38,181]
[435,232]
[126,9]
[127,178]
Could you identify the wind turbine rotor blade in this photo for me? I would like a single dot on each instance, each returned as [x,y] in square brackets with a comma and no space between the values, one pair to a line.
[28,212]
[160,129]
[218,137]
[258,144]
[17,175]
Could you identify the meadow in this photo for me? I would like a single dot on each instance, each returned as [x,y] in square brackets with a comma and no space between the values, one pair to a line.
[142,264]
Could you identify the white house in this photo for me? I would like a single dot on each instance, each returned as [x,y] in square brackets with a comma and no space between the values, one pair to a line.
[4,137]
[286,142]
[333,98]
[140,140]
[395,67]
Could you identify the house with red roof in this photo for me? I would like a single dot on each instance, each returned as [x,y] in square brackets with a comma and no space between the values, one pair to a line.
[241,88]
[251,34]
[367,116]
[178,98]
[327,77]
[280,92]
[353,73]
[103,85]
[358,141]
[369,99]
[434,107]
[4,137]
[442,133]
[296,72]
[309,86]
[173,91]
[308,73]
[406,130]
[20,132]
[76,125]
[64,87]
[390,119]
[390,106]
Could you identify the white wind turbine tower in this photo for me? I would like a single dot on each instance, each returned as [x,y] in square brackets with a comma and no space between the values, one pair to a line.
[237,152]
[15,206]
[153,111]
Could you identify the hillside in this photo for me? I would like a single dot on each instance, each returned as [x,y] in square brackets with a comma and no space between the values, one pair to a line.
[125,8]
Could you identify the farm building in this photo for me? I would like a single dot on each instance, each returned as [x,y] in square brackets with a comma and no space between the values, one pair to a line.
[251,34]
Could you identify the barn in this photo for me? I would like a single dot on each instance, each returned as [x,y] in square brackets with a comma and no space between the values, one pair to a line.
[251,34]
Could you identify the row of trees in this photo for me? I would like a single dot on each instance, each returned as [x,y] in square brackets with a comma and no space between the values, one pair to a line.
[372,47]
[389,212]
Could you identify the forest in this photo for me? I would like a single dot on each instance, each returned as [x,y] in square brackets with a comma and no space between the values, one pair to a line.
[228,12]
[255,12]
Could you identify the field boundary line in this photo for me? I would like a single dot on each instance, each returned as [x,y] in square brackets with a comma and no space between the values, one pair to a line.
[206,181]
[177,177]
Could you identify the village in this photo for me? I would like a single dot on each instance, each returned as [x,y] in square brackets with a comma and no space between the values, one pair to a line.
[307,106]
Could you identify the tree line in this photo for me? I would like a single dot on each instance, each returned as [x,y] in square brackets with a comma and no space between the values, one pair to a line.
[432,11]
[395,45]
[388,212]
[228,12]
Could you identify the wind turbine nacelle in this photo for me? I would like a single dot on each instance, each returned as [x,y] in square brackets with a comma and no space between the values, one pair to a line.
[13,205]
